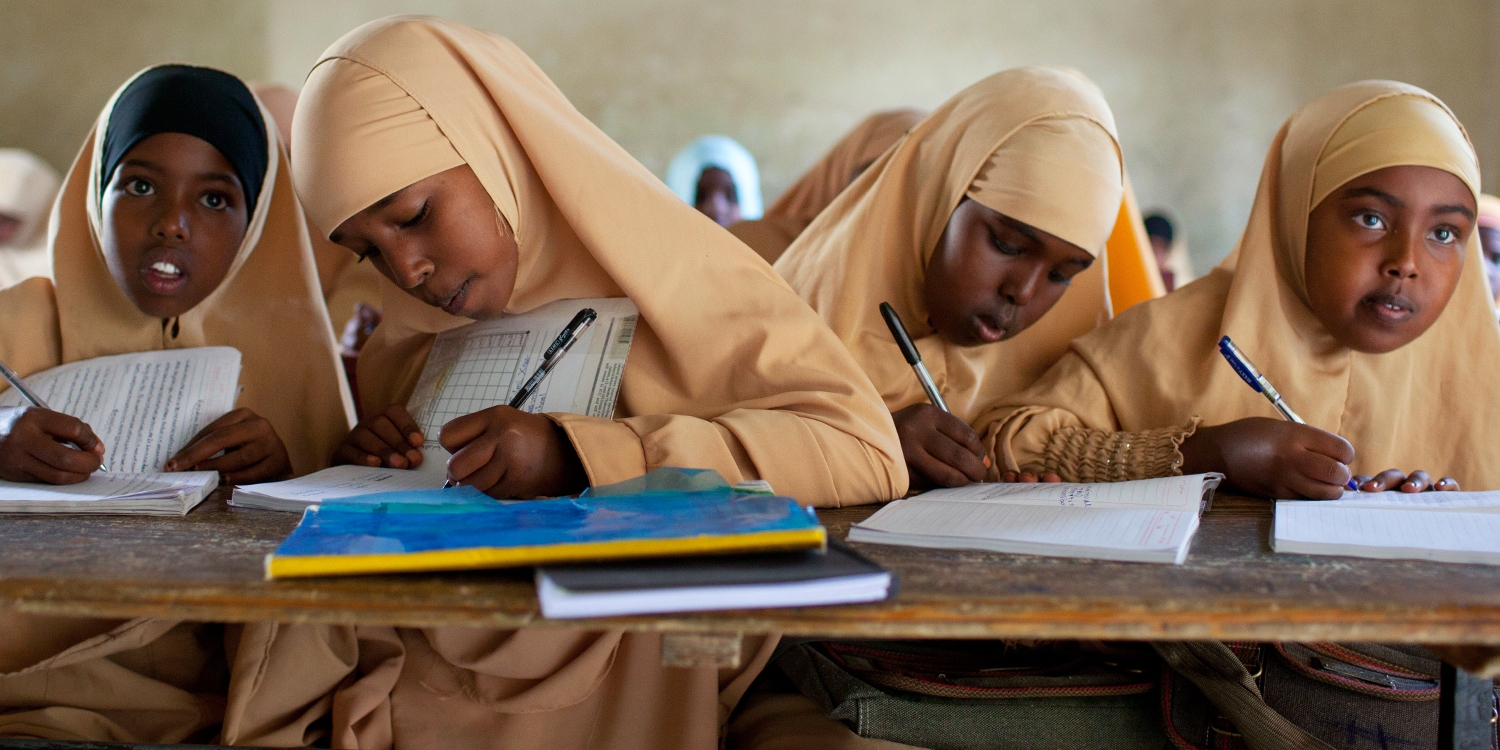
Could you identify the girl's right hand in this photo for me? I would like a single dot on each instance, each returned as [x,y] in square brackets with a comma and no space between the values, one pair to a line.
[32,449]
[1272,458]
[940,449]
[391,439]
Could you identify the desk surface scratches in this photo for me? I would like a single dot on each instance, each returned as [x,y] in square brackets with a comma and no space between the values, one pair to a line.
[207,566]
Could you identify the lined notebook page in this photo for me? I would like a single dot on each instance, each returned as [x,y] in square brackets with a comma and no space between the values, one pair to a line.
[1474,502]
[99,486]
[1123,529]
[144,406]
[1168,493]
[1325,528]
[344,481]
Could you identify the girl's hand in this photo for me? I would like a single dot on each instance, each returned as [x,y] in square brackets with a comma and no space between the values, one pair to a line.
[390,438]
[507,453]
[1393,479]
[939,447]
[1272,458]
[31,449]
[253,452]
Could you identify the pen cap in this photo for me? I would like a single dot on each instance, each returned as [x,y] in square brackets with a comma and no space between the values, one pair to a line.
[898,331]
[586,315]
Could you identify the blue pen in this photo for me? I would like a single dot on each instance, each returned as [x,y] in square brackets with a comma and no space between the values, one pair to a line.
[1255,380]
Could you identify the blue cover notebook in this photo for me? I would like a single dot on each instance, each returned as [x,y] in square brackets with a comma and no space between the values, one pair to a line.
[668,512]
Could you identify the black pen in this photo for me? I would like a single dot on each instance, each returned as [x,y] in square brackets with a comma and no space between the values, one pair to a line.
[550,358]
[913,357]
[26,393]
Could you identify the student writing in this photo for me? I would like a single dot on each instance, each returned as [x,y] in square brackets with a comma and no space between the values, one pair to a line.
[981,229]
[176,227]
[449,159]
[1357,289]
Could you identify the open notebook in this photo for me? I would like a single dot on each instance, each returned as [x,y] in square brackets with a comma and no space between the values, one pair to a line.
[484,364]
[346,483]
[152,494]
[1461,527]
[1151,520]
[144,406]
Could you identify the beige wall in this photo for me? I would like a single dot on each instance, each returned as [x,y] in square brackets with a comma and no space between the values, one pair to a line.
[1198,87]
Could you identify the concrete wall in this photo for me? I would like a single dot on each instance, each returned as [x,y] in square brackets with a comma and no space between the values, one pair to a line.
[1198,87]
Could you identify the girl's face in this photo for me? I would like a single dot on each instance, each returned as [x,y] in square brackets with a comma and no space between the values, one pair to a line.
[993,276]
[1384,254]
[174,217]
[717,198]
[441,240]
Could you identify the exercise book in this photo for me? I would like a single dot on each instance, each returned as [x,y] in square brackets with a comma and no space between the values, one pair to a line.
[484,364]
[144,406]
[838,575]
[1149,520]
[146,494]
[336,483]
[663,514]
[1458,527]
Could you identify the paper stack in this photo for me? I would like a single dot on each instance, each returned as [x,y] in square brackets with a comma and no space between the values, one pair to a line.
[158,494]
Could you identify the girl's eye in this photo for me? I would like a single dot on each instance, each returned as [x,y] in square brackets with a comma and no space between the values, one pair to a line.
[138,186]
[215,201]
[416,219]
[1005,249]
[1370,220]
[370,252]
[1445,235]
[1058,277]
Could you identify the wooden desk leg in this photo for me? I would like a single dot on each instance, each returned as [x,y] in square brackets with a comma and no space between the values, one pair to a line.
[718,650]
[1466,711]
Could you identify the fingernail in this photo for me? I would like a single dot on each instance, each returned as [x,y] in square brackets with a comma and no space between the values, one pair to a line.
[986,462]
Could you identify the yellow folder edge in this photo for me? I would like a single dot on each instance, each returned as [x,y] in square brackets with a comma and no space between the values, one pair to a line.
[298,566]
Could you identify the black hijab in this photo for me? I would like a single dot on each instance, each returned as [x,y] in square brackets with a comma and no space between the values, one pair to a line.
[201,102]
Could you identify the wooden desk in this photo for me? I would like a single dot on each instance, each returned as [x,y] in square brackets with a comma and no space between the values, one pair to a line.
[207,566]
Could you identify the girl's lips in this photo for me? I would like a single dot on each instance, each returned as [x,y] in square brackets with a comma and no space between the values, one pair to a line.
[164,278]
[1389,308]
[988,330]
[454,305]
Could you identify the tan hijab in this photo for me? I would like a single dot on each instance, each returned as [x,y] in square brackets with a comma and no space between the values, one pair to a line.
[1428,405]
[729,370]
[344,281]
[152,680]
[1035,144]
[770,235]
[268,306]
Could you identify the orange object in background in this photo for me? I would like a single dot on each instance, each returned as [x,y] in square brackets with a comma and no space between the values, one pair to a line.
[1133,275]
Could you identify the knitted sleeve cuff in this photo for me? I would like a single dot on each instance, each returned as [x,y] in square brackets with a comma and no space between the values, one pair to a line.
[1080,454]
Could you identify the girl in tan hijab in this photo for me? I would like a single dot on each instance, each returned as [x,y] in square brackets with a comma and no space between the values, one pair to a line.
[177,227]
[28,186]
[770,235]
[1357,289]
[981,228]
[449,159]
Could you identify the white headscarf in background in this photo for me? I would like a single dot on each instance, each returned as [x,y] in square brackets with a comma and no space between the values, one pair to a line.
[28,186]
[725,153]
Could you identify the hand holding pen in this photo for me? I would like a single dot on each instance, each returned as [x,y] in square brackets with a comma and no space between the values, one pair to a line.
[508,453]
[939,447]
[1273,458]
[42,445]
